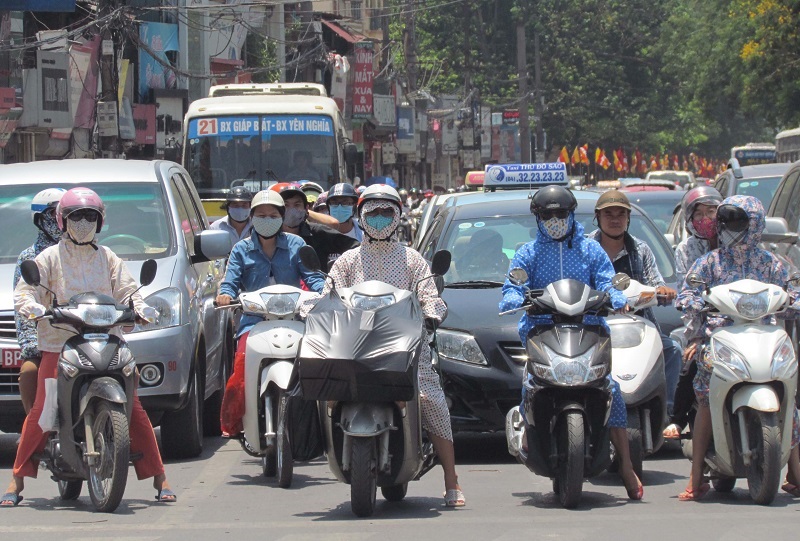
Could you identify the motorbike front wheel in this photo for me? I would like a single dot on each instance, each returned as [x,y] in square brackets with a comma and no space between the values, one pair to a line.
[109,474]
[571,456]
[363,477]
[283,446]
[764,440]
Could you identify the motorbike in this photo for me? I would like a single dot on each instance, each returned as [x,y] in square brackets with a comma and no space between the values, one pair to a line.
[94,394]
[405,232]
[568,395]
[359,360]
[638,367]
[752,388]
[270,352]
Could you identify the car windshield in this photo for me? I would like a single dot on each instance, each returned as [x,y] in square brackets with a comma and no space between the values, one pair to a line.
[658,209]
[762,188]
[482,248]
[136,225]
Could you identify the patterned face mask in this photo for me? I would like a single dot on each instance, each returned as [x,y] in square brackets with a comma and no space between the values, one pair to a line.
[81,232]
[267,227]
[555,228]
[379,227]
[239,214]
[49,226]
[294,217]
[706,228]
[729,239]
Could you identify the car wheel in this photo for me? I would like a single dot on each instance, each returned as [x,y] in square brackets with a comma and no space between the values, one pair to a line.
[182,430]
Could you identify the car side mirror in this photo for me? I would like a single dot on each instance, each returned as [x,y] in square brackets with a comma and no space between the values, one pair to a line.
[441,262]
[30,272]
[211,244]
[621,281]
[310,259]
[518,276]
[148,272]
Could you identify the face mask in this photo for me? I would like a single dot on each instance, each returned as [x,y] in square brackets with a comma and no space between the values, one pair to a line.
[341,212]
[706,228]
[378,226]
[81,232]
[729,239]
[267,227]
[294,217]
[238,215]
[556,228]
[48,225]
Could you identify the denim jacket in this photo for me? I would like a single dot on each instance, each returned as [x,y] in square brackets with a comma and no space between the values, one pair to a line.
[250,269]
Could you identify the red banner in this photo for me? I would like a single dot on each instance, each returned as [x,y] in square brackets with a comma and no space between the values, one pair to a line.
[362,80]
[144,118]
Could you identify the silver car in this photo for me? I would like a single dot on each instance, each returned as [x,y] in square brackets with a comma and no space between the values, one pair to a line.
[152,212]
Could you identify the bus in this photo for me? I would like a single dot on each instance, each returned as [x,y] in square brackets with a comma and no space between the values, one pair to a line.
[787,144]
[754,154]
[256,135]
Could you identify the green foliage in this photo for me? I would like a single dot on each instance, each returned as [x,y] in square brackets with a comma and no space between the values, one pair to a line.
[262,54]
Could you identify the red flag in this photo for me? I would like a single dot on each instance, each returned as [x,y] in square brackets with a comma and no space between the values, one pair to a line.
[675,164]
[625,167]
[641,165]
[576,157]
[584,154]
[619,160]
[602,161]
[564,156]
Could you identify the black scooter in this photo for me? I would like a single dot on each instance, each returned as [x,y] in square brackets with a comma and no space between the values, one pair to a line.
[568,397]
[95,386]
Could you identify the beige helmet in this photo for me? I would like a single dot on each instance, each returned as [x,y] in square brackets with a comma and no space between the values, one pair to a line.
[613,198]
[268,197]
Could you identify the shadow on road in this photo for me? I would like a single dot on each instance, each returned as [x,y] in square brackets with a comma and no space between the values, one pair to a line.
[589,500]
[414,508]
[482,449]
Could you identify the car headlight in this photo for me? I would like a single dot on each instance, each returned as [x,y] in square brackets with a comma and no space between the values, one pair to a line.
[280,305]
[168,304]
[729,359]
[627,335]
[784,361]
[570,371]
[459,346]
[366,302]
[97,315]
[751,305]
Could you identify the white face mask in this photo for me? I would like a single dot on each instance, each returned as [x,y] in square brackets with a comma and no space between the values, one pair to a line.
[238,214]
[81,232]
[267,227]
[557,228]
[294,217]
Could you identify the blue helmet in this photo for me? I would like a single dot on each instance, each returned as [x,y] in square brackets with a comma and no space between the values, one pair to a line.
[342,189]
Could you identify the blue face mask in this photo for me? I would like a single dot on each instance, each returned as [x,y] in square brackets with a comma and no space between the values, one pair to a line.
[378,222]
[341,212]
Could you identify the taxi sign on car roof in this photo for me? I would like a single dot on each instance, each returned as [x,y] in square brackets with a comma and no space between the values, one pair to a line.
[524,175]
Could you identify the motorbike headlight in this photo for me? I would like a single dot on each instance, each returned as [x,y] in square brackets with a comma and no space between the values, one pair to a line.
[575,370]
[129,368]
[627,335]
[280,305]
[252,307]
[729,359]
[67,369]
[459,346]
[751,305]
[97,315]
[784,361]
[366,302]
[168,304]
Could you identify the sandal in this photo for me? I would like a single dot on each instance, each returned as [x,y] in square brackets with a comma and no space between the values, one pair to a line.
[10,499]
[672,432]
[791,488]
[690,495]
[454,498]
[165,495]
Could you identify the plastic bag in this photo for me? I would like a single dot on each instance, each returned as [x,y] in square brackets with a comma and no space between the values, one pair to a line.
[48,420]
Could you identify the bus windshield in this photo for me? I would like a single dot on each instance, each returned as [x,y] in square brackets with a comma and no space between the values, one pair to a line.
[259,150]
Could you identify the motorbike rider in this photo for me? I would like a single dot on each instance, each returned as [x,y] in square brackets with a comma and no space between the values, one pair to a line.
[68,268]
[560,251]
[699,206]
[740,222]
[321,204]
[380,257]
[312,191]
[628,254]
[43,208]
[268,256]
[342,199]
[328,243]
[237,221]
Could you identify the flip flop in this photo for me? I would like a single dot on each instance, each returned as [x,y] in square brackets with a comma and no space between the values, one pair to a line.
[791,488]
[454,498]
[689,495]
[165,495]
[10,499]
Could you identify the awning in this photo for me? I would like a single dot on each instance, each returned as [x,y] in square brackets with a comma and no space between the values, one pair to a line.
[342,33]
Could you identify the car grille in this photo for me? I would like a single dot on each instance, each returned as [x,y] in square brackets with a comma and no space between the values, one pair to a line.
[515,351]
[9,381]
[7,327]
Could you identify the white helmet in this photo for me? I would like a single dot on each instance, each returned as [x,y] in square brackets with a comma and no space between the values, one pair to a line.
[46,199]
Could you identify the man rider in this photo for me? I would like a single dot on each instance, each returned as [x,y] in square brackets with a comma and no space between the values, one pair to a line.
[342,199]
[237,221]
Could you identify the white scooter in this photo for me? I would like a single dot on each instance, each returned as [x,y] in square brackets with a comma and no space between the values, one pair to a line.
[638,366]
[752,387]
[270,352]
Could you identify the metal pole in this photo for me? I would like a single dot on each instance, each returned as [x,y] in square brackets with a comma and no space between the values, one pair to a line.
[522,71]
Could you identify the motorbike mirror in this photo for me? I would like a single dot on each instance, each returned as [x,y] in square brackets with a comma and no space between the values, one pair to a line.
[309,258]
[518,276]
[794,279]
[441,262]
[148,272]
[30,272]
[621,281]
[694,281]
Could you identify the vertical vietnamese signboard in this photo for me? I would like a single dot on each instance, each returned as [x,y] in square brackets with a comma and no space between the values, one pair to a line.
[156,72]
[362,80]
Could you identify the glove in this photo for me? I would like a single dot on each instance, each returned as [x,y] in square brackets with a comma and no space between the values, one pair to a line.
[149,314]
[34,310]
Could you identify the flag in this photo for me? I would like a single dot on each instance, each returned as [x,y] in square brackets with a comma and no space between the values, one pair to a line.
[585,154]
[654,163]
[564,156]
[625,167]
[576,157]
[617,164]
[641,165]
[675,164]
[602,161]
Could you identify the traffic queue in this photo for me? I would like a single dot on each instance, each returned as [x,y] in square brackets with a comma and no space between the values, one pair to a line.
[362,333]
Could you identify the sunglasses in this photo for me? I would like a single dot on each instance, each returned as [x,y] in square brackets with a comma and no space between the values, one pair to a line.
[561,214]
[734,218]
[84,214]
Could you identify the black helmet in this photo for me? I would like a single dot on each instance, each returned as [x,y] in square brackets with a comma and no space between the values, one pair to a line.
[553,198]
[239,193]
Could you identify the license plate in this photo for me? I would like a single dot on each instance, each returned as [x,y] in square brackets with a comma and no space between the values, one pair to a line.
[11,358]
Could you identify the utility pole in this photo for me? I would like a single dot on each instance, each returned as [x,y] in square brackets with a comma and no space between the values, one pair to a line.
[538,101]
[107,68]
[522,74]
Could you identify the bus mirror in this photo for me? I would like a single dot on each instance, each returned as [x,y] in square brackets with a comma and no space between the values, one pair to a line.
[350,153]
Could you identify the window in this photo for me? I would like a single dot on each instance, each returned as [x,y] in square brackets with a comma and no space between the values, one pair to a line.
[376,19]
[355,9]
[783,197]
[186,223]
[793,210]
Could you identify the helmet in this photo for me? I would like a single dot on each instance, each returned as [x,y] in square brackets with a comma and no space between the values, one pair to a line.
[428,194]
[342,190]
[322,201]
[413,191]
[289,189]
[402,192]
[702,195]
[382,192]
[312,190]
[553,198]
[46,199]
[239,193]
[77,199]
[268,197]
[612,198]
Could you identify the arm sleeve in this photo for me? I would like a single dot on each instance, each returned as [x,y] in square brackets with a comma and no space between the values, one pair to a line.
[514,295]
[25,295]
[651,273]
[26,330]
[680,264]
[122,283]
[232,283]
[603,273]
[690,301]
[432,304]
